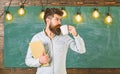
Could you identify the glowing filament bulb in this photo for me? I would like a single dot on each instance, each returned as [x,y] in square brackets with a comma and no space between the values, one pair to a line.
[64,12]
[41,15]
[108,19]
[9,17]
[21,11]
[96,13]
[78,18]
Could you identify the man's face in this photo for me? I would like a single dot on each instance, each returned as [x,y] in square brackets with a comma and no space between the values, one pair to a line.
[55,24]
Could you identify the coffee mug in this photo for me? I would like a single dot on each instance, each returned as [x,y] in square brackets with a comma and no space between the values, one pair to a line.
[64,29]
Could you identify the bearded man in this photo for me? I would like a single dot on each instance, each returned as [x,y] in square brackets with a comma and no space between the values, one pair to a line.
[55,43]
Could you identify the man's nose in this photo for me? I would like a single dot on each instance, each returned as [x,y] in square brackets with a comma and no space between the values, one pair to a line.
[59,22]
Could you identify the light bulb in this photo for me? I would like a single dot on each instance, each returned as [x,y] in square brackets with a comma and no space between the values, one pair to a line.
[96,13]
[108,19]
[41,15]
[21,11]
[64,12]
[9,17]
[78,18]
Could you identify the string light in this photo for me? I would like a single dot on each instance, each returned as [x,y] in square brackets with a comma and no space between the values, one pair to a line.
[108,18]
[78,17]
[21,11]
[64,12]
[95,13]
[9,16]
[41,15]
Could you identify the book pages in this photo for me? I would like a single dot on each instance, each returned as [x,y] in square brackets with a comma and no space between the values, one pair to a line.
[37,49]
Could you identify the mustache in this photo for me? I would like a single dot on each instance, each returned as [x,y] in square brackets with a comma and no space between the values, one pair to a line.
[56,29]
[58,26]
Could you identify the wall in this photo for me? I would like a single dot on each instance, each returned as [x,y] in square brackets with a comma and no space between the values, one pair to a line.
[4,70]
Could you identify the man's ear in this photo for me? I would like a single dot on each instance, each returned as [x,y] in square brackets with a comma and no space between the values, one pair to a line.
[48,21]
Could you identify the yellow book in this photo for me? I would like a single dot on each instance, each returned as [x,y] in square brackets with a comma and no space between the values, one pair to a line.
[37,49]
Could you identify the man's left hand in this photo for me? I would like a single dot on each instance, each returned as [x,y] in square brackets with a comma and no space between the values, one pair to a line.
[72,30]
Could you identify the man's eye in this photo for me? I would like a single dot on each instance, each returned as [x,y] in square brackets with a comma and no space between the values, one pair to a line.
[57,19]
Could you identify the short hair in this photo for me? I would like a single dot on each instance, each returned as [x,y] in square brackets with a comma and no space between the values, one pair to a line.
[51,12]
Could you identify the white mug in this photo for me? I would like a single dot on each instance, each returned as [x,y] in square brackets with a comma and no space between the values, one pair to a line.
[64,29]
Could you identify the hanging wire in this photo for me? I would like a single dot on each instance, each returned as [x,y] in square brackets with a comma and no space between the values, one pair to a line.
[9,5]
[47,3]
[6,10]
[42,4]
[108,9]
[78,8]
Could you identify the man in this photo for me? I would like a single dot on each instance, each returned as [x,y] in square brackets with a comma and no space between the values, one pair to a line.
[56,45]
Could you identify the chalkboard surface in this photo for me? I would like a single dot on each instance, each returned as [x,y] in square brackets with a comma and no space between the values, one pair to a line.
[102,41]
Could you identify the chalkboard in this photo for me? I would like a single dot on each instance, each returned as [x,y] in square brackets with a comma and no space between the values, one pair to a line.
[102,41]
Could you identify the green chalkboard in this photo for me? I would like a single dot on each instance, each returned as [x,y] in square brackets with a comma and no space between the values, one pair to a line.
[102,41]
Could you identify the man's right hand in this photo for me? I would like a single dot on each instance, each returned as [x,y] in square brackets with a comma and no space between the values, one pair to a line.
[44,59]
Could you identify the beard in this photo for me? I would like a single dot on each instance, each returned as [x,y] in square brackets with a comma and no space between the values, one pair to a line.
[55,29]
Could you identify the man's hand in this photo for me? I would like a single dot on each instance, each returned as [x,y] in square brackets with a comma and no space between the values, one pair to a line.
[72,30]
[44,59]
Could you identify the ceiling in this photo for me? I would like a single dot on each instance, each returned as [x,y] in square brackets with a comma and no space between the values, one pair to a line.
[74,2]
[66,2]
